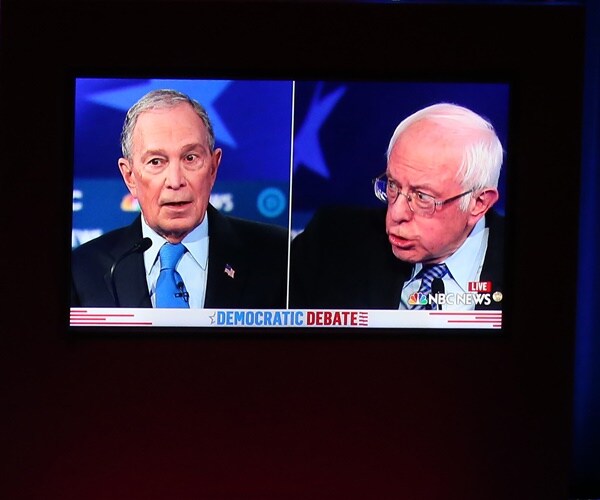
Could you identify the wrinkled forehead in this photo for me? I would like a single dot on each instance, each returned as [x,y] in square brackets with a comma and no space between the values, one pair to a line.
[172,122]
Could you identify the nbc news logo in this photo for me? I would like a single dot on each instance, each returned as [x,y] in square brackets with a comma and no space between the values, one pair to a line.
[479,294]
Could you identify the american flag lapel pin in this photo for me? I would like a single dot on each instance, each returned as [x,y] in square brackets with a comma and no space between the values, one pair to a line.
[229,271]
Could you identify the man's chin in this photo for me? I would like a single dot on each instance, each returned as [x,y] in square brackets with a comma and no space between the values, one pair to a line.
[405,255]
[176,232]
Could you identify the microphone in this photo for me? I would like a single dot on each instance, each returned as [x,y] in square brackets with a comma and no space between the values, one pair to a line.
[140,247]
[437,286]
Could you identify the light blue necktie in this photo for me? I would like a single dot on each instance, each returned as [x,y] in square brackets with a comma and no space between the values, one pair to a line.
[428,274]
[170,290]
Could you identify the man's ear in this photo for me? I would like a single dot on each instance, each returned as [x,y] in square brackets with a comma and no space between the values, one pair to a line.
[216,161]
[484,200]
[127,173]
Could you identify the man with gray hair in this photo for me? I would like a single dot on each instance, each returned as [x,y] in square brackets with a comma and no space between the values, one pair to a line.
[180,251]
[438,233]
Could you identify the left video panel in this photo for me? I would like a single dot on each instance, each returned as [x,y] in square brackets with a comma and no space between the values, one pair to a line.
[215,178]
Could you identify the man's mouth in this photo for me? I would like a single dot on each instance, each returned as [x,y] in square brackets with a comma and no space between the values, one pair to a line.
[400,242]
[175,203]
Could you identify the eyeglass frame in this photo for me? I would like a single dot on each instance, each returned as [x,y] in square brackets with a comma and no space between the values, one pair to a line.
[409,198]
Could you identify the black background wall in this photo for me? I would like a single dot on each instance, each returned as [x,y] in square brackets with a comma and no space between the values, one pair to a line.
[285,416]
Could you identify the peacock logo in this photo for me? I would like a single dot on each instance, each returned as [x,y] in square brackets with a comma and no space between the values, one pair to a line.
[130,204]
[417,299]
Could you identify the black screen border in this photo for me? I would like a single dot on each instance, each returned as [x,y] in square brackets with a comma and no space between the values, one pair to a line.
[515,73]
[510,399]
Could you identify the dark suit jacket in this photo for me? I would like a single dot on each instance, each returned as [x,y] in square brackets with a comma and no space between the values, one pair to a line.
[257,252]
[343,260]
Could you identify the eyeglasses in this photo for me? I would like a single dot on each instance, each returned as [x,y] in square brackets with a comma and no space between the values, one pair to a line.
[419,203]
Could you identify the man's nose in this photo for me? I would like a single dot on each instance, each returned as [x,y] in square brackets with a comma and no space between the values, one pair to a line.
[399,209]
[174,175]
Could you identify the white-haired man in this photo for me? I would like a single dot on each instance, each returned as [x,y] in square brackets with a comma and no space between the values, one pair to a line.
[441,180]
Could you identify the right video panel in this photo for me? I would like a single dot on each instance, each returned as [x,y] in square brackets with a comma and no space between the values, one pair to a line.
[399,203]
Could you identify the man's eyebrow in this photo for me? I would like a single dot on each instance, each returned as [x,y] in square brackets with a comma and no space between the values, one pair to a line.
[426,187]
[162,152]
[153,152]
[194,145]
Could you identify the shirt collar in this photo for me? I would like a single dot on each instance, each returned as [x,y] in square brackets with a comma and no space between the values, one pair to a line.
[196,243]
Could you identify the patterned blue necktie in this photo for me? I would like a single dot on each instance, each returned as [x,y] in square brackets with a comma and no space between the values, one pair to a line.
[428,274]
[170,290]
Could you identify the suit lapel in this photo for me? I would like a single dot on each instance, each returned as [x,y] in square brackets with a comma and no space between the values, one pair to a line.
[386,278]
[227,265]
[130,273]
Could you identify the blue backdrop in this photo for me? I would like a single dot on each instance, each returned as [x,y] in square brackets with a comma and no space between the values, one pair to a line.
[343,130]
[325,139]
[252,121]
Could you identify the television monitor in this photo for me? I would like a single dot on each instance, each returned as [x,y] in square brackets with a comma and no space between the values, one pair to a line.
[290,413]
